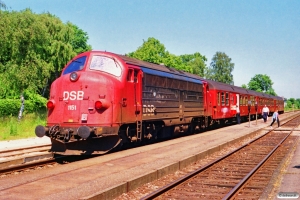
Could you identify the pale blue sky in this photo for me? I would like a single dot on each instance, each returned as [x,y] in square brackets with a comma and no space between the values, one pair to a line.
[261,37]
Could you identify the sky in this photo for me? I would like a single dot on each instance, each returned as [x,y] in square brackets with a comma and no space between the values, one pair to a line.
[260,37]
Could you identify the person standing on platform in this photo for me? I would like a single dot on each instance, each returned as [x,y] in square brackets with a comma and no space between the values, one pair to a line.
[238,116]
[265,113]
[275,118]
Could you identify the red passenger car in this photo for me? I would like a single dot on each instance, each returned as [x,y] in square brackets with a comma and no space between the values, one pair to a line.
[222,99]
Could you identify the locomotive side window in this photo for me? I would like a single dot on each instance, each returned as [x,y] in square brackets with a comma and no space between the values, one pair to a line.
[75,65]
[105,64]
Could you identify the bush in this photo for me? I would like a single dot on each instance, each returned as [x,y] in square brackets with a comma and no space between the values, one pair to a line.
[9,107]
[33,103]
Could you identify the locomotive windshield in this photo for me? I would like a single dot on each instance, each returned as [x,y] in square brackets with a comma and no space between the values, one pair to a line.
[75,65]
[105,64]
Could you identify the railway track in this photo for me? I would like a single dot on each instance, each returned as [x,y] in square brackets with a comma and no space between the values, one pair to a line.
[24,155]
[241,174]
[13,161]
[23,160]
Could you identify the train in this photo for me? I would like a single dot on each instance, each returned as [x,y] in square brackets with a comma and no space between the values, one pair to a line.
[103,100]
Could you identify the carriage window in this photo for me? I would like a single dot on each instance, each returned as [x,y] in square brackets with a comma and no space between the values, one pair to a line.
[227,99]
[241,100]
[260,102]
[75,65]
[223,98]
[105,64]
[232,99]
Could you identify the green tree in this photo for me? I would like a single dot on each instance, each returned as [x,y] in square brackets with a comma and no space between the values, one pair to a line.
[290,102]
[297,103]
[2,5]
[155,52]
[220,68]
[34,49]
[151,51]
[244,86]
[79,40]
[195,63]
[261,83]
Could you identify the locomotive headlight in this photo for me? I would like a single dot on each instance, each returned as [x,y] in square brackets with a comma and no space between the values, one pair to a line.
[74,76]
[101,104]
[50,104]
[98,105]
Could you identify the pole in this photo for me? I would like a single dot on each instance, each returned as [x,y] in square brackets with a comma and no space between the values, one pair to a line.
[256,117]
[249,119]
[21,109]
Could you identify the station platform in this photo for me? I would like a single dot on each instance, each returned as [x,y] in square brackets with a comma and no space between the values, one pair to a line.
[288,182]
[108,176]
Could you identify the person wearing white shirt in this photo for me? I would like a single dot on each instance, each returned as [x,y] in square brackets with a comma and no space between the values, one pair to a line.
[265,113]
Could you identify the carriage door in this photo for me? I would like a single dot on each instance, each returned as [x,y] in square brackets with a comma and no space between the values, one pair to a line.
[238,99]
[232,104]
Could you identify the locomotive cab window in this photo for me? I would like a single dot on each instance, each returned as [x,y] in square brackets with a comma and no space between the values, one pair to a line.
[75,65]
[105,64]
[135,76]
[130,75]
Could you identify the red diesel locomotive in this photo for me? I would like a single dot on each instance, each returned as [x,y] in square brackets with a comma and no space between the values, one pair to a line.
[102,99]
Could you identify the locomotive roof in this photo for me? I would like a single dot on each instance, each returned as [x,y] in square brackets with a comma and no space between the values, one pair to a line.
[158,67]
[212,84]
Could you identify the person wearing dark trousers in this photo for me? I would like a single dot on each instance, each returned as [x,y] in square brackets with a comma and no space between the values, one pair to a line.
[265,113]
[275,118]
[238,116]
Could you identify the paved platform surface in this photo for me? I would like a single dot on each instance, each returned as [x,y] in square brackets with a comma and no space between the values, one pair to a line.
[290,181]
[106,176]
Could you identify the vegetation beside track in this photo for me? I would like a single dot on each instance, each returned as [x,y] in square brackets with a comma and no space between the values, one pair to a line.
[12,129]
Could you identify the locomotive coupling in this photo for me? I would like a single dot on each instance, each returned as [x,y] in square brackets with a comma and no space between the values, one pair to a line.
[84,132]
[40,131]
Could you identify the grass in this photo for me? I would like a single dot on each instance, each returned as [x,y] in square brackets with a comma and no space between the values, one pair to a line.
[12,129]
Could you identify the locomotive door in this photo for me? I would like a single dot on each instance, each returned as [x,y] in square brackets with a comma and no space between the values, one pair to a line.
[132,100]
[138,94]
[138,102]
